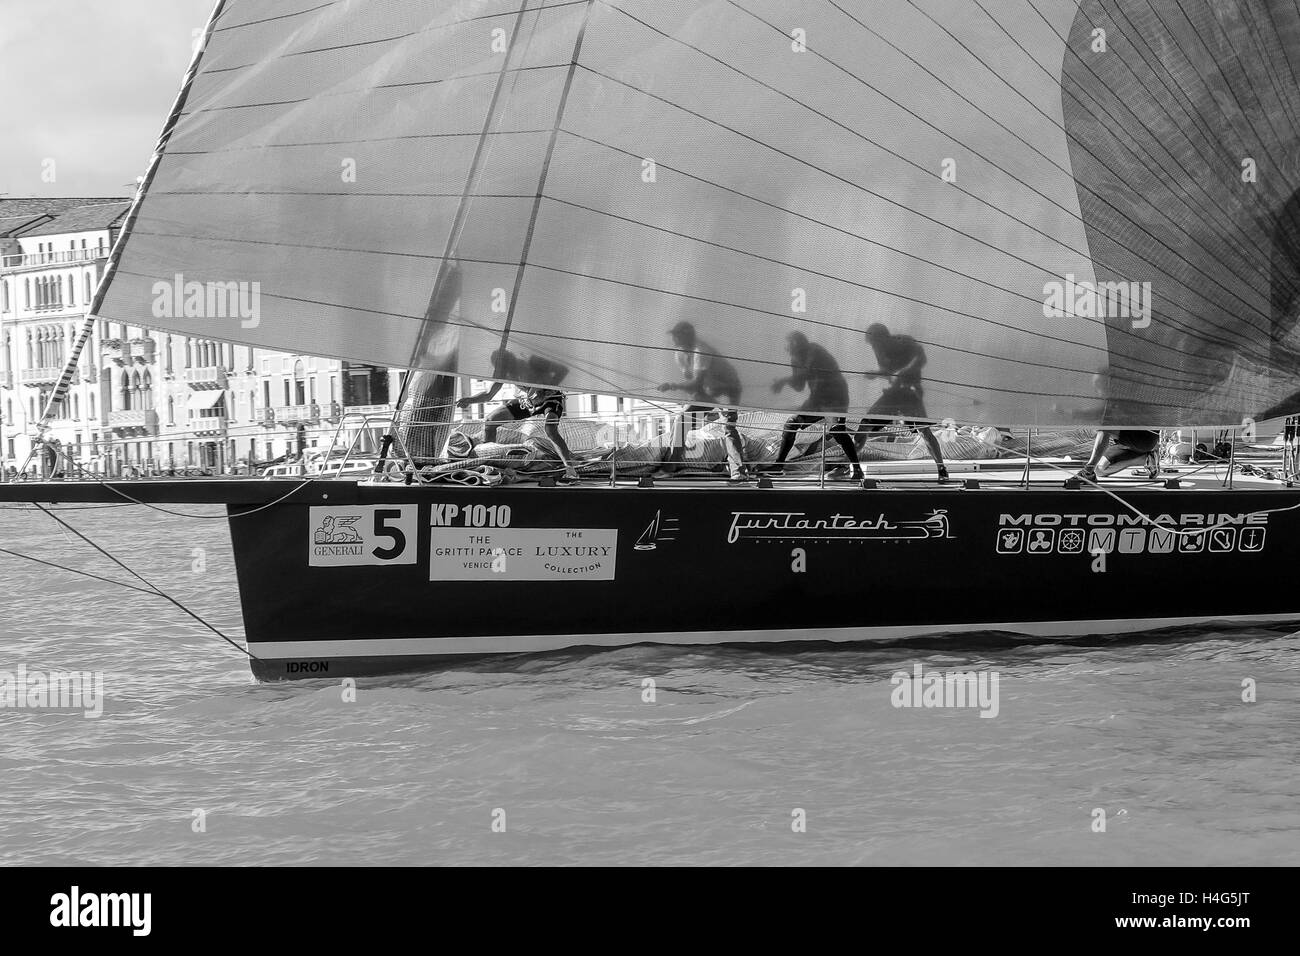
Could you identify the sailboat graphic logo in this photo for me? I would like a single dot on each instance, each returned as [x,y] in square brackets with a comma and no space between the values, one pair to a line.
[660,529]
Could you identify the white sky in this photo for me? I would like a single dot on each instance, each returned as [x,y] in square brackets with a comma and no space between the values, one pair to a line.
[87,84]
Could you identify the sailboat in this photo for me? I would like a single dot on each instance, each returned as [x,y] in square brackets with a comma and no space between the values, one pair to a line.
[1085,213]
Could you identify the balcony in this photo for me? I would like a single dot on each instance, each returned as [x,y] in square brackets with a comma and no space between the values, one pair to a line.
[213,376]
[140,351]
[53,258]
[371,411]
[42,376]
[295,414]
[136,422]
[208,425]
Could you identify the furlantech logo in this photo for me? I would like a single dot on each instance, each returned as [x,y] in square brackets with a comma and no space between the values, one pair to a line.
[1096,534]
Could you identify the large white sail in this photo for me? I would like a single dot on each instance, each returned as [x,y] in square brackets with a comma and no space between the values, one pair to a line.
[1080,212]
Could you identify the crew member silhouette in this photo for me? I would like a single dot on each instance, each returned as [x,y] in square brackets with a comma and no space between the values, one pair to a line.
[900,358]
[813,367]
[712,382]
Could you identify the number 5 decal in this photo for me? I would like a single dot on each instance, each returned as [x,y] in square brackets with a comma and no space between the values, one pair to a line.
[394,532]
[345,536]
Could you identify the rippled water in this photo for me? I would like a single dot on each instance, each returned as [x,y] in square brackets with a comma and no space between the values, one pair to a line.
[1153,731]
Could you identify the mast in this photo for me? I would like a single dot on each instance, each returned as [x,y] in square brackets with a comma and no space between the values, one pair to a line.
[435,390]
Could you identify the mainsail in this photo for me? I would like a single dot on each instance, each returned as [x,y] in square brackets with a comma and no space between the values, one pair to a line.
[1078,213]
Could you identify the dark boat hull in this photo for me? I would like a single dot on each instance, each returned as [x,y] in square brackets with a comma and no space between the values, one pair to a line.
[400,578]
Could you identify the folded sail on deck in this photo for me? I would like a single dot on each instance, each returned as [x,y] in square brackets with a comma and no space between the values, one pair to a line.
[1077,212]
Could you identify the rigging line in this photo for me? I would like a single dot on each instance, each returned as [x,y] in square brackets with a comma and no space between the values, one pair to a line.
[858,285]
[1159,171]
[28,508]
[1166,319]
[722,302]
[239,240]
[1231,88]
[1181,374]
[279,244]
[64,567]
[1052,119]
[1160,69]
[1134,32]
[1099,195]
[338,142]
[1100,162]
[1036,335]
[447,265]
[1211,94]
[326,94]
[542,177]
[1056,79]
[146,583]
[223,517]
[283,16]
[480,327]
[1147,518]
[315,247]
[1259,195]
[333,195]
[775,363]
[1277,29]
[397,38]
[1270,68]
[990,204]
[1093,321]
[87,476]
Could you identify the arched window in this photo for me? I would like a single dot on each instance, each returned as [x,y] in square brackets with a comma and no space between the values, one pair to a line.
[4,295]
[252,404]
[167,354]
[27,293]
[137,397]
[126,392]
[92,406]
[76,407]
[72,291]
[171,410]
[189,354]
[147,383]
[299,383]
[89,290]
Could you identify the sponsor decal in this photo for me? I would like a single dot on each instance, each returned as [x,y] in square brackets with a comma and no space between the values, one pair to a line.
[363,535]
[798,526]
[522,554]
[1094,534]
[659,529]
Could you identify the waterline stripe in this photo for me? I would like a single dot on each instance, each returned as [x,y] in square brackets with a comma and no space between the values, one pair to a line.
[426,646]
